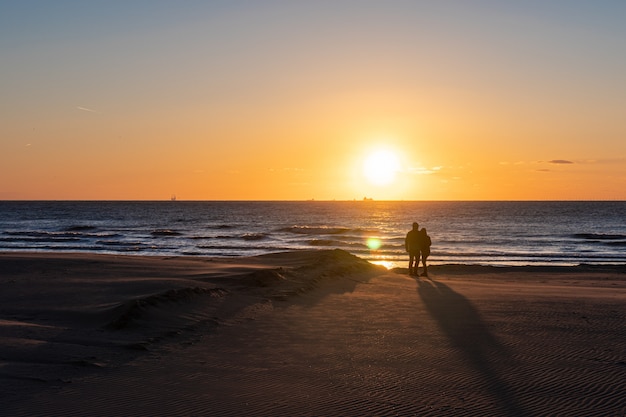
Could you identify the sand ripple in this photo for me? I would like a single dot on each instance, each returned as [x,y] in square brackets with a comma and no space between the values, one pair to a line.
[325,334]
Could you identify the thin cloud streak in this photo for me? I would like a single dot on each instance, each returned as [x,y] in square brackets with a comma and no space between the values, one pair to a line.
[86,109]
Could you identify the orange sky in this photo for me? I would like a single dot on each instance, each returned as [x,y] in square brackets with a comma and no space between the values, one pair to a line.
[282,101]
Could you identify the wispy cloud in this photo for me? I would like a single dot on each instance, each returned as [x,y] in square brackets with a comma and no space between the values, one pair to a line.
[423,170]
[603,161]
[86,109]
[560,161]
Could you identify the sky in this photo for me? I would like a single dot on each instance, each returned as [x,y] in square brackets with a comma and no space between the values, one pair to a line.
[324,100]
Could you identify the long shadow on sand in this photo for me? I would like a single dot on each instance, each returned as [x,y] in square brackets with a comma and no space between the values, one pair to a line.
[463,326]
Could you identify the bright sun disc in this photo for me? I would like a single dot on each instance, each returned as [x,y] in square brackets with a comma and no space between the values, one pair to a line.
[380,167]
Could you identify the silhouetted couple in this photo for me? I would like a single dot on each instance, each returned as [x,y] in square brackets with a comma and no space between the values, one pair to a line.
[417,243]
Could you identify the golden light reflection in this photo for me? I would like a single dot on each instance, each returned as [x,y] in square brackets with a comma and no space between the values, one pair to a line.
[386,264]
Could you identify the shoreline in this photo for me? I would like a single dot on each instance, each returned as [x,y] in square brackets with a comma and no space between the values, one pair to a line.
[617,267]
[306,332]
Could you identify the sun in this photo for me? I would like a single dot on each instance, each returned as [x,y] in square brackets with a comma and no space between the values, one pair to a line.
[381,166]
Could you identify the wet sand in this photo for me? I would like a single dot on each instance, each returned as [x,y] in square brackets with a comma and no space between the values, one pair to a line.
[307,333]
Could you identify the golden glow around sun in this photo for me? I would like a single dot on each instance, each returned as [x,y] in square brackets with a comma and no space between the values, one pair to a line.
[381,166]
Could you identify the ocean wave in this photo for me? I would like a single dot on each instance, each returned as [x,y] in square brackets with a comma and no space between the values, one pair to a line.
[316,230]
[56,248]
[254,236]
[39,233]
[323,242]
[599,236]
[221,226]
[40,239]
[165,232]
[339,243]
[222,237]
[123,243]
[79,228]
[245,249]
[42,235]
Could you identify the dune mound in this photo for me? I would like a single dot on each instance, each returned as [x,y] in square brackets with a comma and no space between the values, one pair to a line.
[129,312]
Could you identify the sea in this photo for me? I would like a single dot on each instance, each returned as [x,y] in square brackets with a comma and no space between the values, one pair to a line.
[496,233]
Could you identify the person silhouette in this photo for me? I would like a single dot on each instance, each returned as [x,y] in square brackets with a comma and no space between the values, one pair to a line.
[424,244]
[412,246]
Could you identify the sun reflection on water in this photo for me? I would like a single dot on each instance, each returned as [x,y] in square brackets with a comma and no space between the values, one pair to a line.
[386,264]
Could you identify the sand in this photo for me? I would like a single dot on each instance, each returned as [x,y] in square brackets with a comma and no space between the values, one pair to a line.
[317,333]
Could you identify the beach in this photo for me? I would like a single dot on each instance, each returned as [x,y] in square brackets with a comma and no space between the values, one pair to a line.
[311,332]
